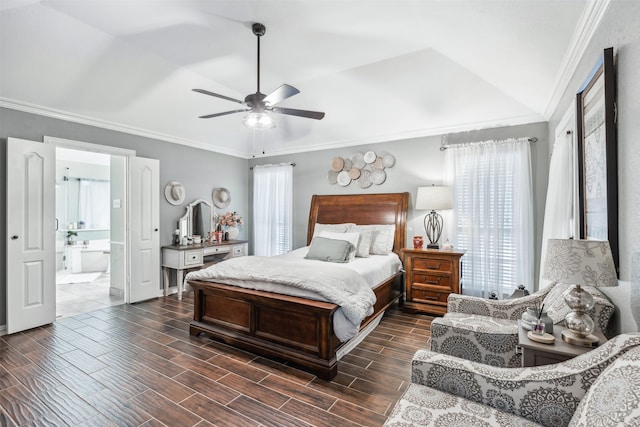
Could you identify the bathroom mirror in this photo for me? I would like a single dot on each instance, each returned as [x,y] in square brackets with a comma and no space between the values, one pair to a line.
[198,220]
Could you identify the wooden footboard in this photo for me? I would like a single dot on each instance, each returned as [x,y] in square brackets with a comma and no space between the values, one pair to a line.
[292,329]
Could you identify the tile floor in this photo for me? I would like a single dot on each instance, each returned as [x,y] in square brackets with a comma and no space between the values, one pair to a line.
[77,298]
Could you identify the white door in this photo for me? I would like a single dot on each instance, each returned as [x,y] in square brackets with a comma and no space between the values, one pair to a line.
[144,229]
[31,274]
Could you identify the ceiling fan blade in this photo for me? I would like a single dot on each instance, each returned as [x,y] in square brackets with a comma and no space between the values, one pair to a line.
[300,113]
[283,92]
[208,116]
[206,92]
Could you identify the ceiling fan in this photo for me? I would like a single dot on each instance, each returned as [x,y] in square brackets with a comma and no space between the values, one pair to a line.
[258,103]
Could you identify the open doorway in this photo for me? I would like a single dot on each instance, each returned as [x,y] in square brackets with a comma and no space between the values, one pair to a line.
[87,231]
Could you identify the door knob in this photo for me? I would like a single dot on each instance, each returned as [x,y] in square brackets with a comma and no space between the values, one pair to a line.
[14,237]
[155,229]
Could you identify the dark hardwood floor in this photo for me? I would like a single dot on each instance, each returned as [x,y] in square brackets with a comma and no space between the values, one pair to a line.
[137,365]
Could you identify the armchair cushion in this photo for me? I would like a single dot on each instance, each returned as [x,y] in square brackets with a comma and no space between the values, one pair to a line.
[476,338]
[426,406]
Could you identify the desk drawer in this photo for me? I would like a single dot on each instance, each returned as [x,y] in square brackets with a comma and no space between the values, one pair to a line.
[192,258]
[435,264]
[210,250]
[238,250]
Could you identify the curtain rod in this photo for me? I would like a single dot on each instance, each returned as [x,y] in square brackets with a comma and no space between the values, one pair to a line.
[280,164]
[444,146]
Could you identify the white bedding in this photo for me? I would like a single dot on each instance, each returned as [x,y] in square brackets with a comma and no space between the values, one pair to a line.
[291,274]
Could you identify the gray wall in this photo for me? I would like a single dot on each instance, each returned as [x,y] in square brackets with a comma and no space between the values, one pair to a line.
[198,170]
[419,162]
[619,29]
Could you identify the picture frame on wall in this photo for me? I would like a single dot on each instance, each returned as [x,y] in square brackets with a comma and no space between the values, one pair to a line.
[597,155]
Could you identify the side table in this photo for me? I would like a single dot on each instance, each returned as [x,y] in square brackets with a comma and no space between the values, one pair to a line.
[536,354]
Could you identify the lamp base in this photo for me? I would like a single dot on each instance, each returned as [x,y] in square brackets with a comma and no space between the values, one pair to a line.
[588,341]
[433,246]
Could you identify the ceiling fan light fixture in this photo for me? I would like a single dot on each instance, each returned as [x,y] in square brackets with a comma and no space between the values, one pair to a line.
[259,121]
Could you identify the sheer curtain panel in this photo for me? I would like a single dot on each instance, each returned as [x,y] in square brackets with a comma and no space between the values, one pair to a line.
[559,208]
[272,209]
[94,206]
[493,221]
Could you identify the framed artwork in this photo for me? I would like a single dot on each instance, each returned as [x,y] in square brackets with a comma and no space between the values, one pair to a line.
[597,155]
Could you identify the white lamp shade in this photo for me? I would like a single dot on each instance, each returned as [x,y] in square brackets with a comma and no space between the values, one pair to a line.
[433,198]
[580,262]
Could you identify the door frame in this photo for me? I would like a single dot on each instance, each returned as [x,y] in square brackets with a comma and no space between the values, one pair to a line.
[116,151]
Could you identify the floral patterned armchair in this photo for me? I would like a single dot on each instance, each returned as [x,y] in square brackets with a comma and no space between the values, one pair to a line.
[486,331]
[600,387]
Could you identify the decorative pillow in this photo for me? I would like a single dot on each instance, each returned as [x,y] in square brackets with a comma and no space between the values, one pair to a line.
[349,237]
[336,228]
[382,239]
[554,303]
[330,250]
[364,243]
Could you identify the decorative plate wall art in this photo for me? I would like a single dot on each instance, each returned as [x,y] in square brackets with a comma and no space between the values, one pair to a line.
[366,169]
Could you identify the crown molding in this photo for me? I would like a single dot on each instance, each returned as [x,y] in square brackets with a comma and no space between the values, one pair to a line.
[587,26]
[376,139]
[77,118]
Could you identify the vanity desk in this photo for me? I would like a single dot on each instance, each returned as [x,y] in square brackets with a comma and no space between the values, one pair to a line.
[187,257]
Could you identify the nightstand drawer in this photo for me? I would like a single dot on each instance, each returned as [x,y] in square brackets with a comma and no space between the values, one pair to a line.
[443,280]
[419,295]
[193,257]
[433,264]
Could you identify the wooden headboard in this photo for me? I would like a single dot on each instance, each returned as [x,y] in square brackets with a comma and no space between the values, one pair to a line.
[361,209]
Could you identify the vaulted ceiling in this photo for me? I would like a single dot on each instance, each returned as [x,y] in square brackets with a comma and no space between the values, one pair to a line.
[381,70]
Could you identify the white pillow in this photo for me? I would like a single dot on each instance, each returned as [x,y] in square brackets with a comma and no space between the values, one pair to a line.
[382,239]
[364,243]
[349,237]
[336,228]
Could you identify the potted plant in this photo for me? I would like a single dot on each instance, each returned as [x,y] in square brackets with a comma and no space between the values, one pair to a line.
[70,235]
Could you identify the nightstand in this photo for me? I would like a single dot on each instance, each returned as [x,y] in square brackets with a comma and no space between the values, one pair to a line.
[536,354]
[431,275]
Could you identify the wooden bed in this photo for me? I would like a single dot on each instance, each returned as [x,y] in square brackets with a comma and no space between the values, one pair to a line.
[292,329]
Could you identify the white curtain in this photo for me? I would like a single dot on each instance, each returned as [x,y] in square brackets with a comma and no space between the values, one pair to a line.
[493,222]
[559,208]
[272,209]
[93,204]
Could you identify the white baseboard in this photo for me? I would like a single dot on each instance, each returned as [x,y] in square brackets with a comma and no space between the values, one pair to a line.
[3,330]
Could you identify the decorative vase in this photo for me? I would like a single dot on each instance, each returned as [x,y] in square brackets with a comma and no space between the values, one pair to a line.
[233,233]
[530,317]
[417,242]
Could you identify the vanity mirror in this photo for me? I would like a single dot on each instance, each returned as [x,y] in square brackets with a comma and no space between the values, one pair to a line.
[198,220]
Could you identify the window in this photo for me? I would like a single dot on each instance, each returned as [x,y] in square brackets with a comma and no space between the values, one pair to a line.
[273,209]
[493,210]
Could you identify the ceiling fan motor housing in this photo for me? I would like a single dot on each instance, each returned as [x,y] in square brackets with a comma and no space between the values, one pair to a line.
[258,29]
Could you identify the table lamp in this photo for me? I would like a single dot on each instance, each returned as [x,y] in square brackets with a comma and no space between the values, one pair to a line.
[579,262]
[433,198]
